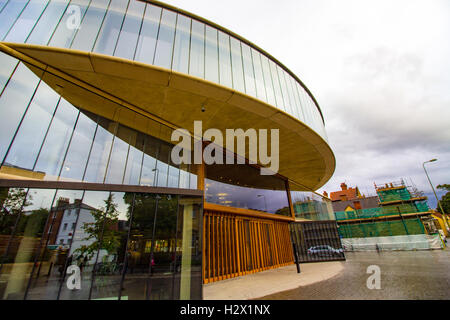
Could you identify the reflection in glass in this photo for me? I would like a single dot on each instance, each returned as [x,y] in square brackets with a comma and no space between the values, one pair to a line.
[21,29]
[109,32]
[57,140]
[164,45]
[92,21]
[180,61]
[248,70]
[310,206]
[30,215]
[63,36]
[211,55]
[118,158]
[33,128]
[236,62]
[259,77]
[80,145]
[47,23]
[197,54]
[13,103]
[100,152]
[225,75]
[129,33]
[52,258]
[147,39]
[9,15]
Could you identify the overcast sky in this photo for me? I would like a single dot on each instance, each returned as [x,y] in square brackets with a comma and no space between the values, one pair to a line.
[380,71]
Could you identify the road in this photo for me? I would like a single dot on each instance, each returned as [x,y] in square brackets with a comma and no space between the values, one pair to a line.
[418,275]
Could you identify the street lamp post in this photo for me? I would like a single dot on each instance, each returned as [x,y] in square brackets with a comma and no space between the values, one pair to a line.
[265,202]
[434,191]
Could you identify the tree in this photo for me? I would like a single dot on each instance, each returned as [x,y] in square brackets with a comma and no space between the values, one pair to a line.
[101,233]
[12,200]
[445,200]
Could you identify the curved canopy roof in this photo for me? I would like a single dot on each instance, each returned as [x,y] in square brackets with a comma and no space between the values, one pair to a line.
[176,100]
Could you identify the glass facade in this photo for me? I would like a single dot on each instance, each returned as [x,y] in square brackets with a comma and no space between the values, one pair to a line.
[148,33]
[147,244]
[311,206]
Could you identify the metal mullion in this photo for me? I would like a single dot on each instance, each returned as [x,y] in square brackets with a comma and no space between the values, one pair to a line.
[121,26]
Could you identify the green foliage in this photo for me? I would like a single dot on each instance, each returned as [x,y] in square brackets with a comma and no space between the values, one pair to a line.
[12,200]
[445,200]
[101,233]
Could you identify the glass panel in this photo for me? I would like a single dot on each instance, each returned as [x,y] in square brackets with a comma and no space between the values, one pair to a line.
[24,243]
[197,54]
[109,33]
[87,246]
[248,70]
[163,250]
[162,166]
[236,62]
[80,145]
[184,177]
[189,260]
[136,285]
[13,103]
[66,29]
[47,22]
[126,46]
[174,177]
[118,158]
[52,260]
[242,186]
[164,45]
[149,32]
[100,153]
[9,15]
[310,206]
[259,77]
[135,158]
[285,90]
[298,108]
[211,55]
[111,258]
[151,150]
[33,129]
[225,60]
[180,61]
[92,21]
[57,140]
[268,80]
[8,64]
[276,84]
[21,29]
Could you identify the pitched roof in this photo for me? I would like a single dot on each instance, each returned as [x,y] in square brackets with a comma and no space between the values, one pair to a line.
[349,194]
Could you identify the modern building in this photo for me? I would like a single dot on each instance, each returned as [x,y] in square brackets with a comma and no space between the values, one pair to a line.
[91,92]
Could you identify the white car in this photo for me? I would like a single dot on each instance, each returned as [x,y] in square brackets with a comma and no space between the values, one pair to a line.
[325,250]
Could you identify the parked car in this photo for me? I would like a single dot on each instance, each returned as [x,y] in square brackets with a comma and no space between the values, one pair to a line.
[325,250]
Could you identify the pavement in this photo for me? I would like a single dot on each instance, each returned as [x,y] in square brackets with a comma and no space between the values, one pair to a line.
[410,275]
[271,281]
[404,275]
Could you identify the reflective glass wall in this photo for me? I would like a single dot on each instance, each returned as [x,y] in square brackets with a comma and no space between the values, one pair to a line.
[311,206]
[47,138]
[148,33]
[242,186]
[83,244]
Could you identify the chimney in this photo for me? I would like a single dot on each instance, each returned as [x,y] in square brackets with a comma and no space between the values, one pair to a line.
[325,194]
[62,202]
[343,186]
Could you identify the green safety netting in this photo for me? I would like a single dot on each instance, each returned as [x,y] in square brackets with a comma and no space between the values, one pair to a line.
[382,229]
[383,211]
[393,195]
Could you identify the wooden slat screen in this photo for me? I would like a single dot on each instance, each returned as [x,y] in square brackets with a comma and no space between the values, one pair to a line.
[235,245]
